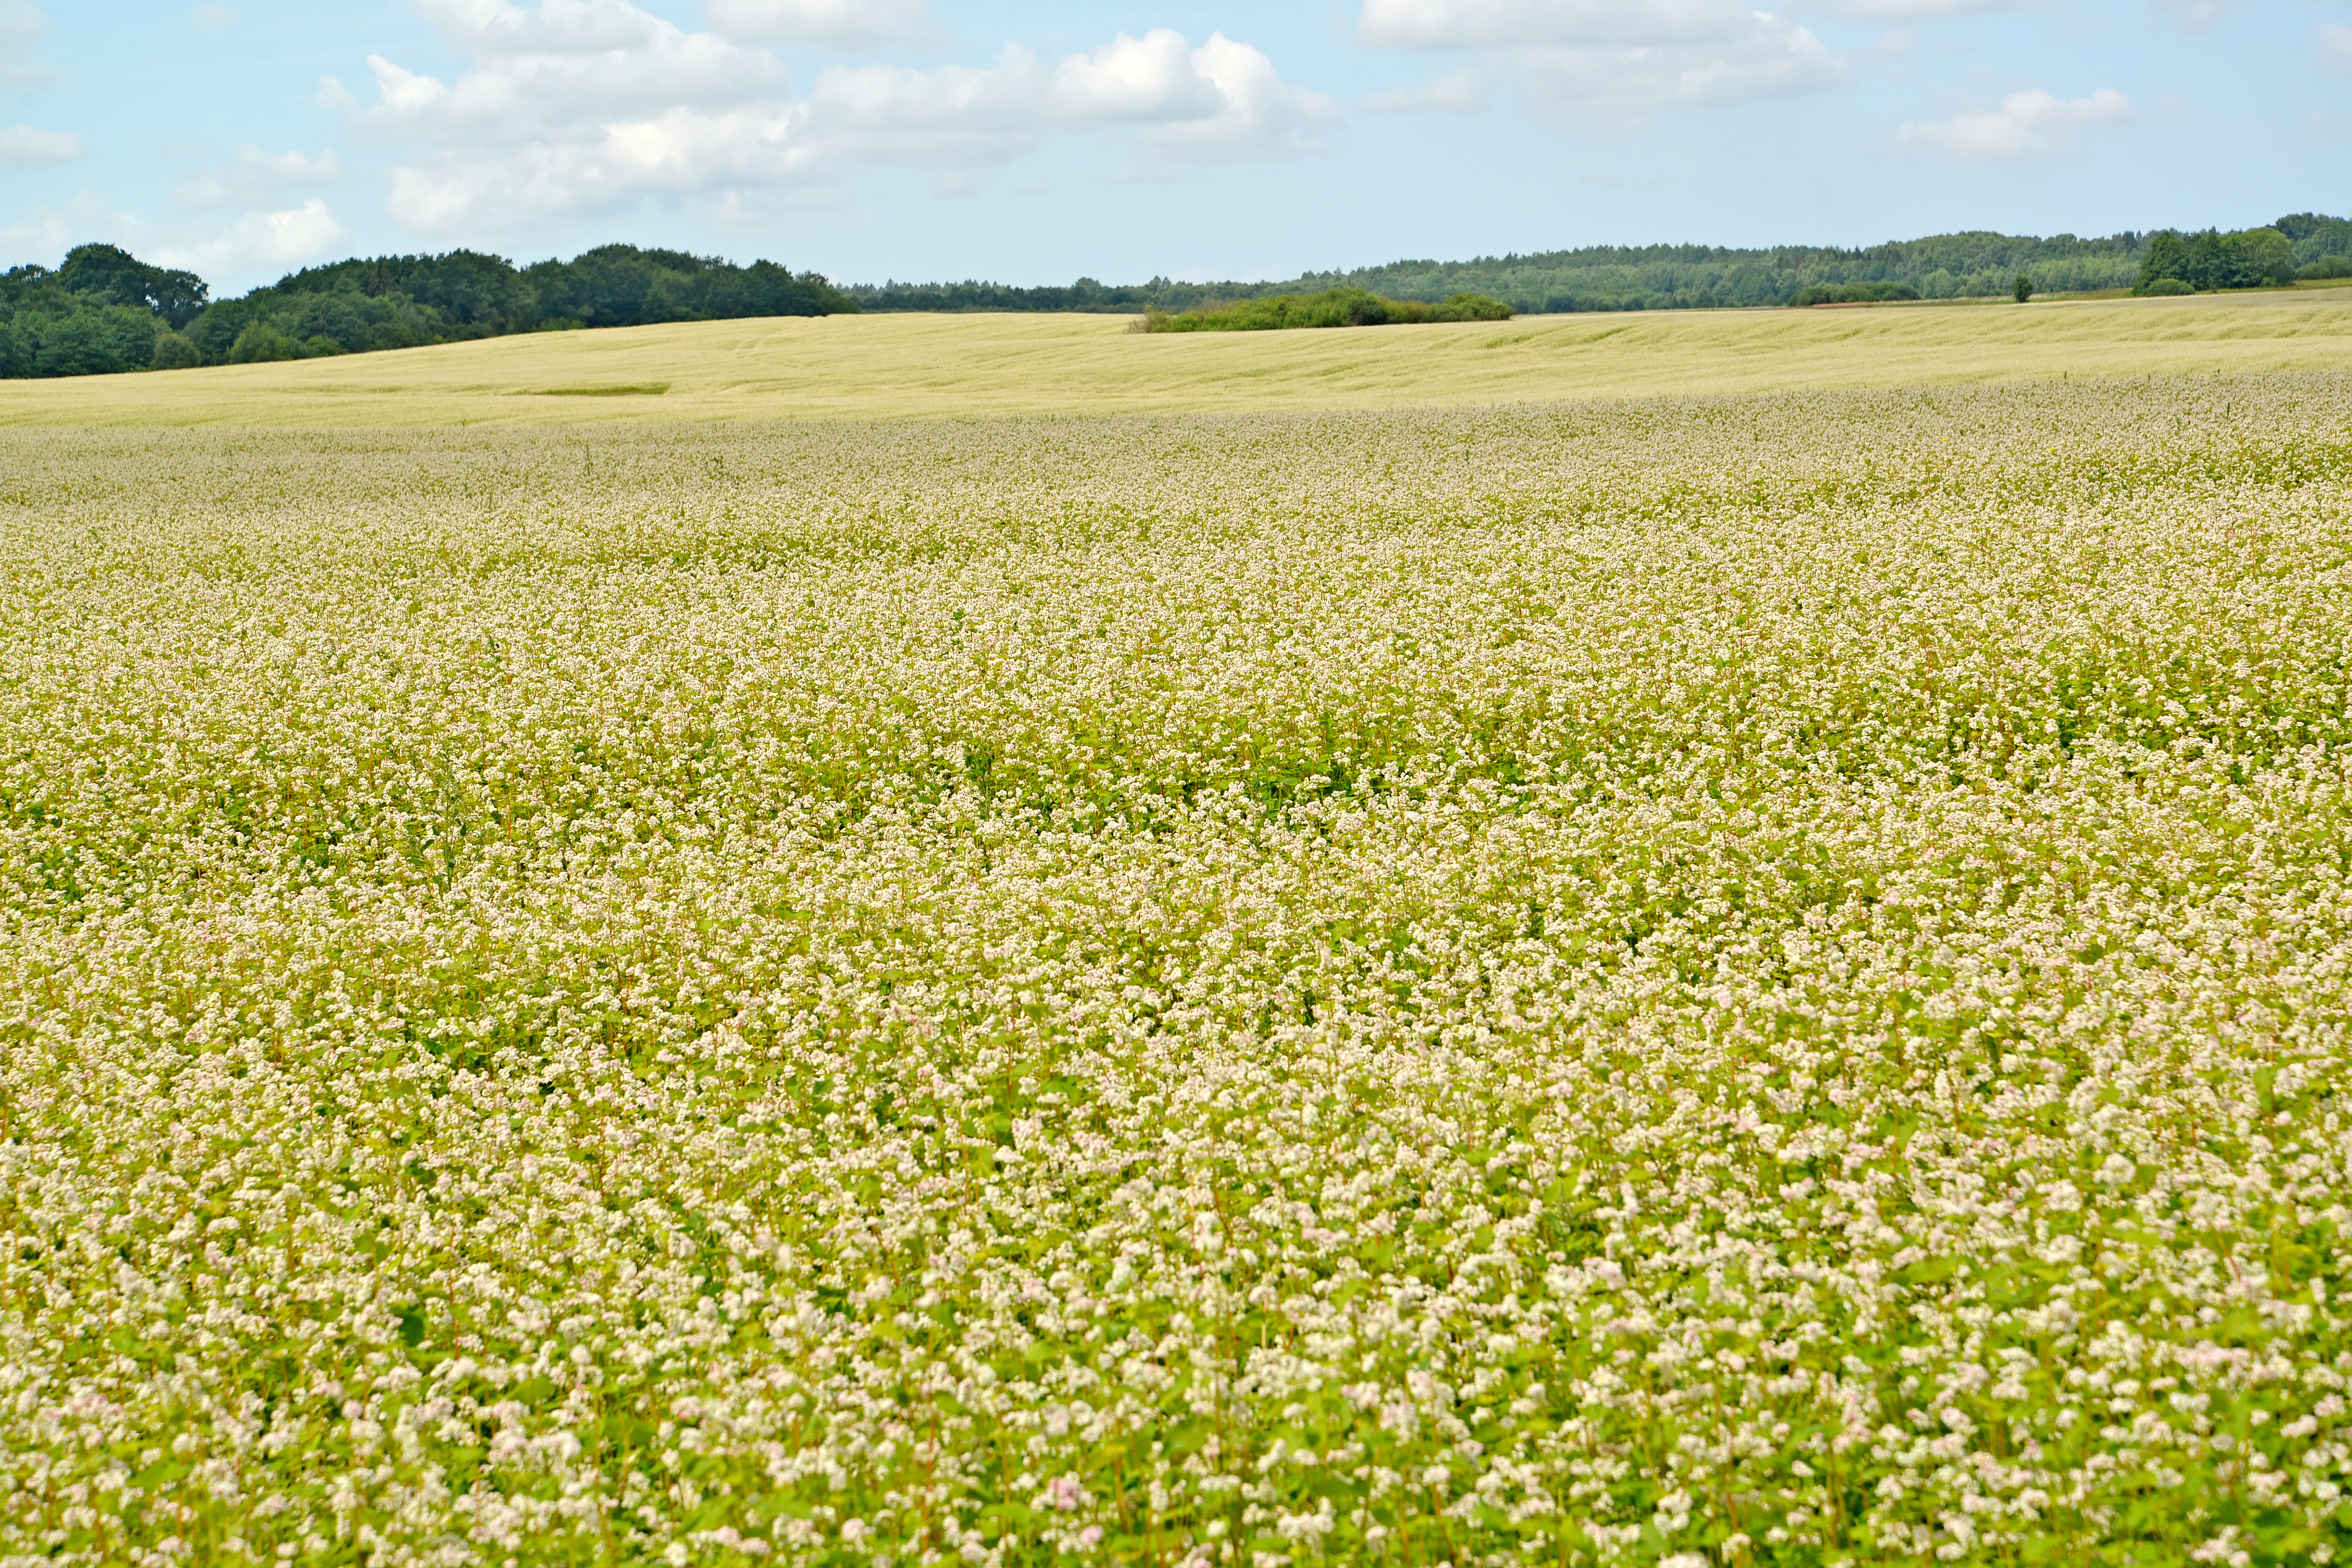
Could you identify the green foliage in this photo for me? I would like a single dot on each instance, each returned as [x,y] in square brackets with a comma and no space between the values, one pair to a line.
[1332,308]
[2316,237]
[2022,290]
[1605,277]
[381,302]
[176,351]
[2326,267]
[2249,258]
[95,340]
[1974,265]
[113,276]
[1743,982]
[261,341]
[1876,293]
[2165,286]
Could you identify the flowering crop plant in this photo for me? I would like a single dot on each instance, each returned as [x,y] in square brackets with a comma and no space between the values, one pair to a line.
[1697,981]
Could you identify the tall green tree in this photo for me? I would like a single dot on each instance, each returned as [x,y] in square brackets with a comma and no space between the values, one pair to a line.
[114,275]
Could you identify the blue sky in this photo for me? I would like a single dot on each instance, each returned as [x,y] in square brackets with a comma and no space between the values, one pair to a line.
[1036,141]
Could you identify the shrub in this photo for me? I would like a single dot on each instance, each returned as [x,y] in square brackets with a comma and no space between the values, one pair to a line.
[261,341]
[1332,308]
[1876,291]
[2327,267]
[2022,290]
[2164,286]
[322,347]
[175,351]
[1470,308]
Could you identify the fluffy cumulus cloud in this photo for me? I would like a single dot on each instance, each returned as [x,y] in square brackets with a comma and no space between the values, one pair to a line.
[30,147]
[2025,124]
[572,105]
[1625,55]
[261,242]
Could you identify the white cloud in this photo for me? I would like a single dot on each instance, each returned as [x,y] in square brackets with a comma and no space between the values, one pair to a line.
[2025,124]
[261,242]
[28,146]
[214,17]
[22,27]
[580,104]
[1610,55]
[257,175]
[2336,46]
[1253,113]
[399,89]
[827,21]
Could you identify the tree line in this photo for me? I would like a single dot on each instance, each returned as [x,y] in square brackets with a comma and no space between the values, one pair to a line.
[105,311]
[1977,265]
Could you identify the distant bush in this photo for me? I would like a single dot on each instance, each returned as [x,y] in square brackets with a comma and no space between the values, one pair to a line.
[2165,286]
[1332,308]
[1877,292]
[176,351]
[260,342]
[2022,290]
[2326,267]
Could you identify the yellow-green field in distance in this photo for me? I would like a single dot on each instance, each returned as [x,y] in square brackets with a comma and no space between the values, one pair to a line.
[1733,952]
[965,365]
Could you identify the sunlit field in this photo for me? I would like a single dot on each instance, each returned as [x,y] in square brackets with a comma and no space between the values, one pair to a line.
[1690,981]
[957,366]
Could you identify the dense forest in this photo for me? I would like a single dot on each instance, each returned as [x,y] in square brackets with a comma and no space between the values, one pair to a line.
[105,311]
[1661,276]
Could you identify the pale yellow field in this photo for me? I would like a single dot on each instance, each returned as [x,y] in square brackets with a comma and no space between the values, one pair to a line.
[925,364]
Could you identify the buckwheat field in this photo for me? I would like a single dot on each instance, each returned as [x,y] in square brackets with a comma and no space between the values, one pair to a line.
[1704,982]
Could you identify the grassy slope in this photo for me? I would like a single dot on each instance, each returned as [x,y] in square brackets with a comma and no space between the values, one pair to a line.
[925,364]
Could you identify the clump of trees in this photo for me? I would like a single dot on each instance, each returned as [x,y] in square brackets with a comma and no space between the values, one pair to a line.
[2249,258]
[1876,293]
[2323,245]
[1332,307]
[105,311]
